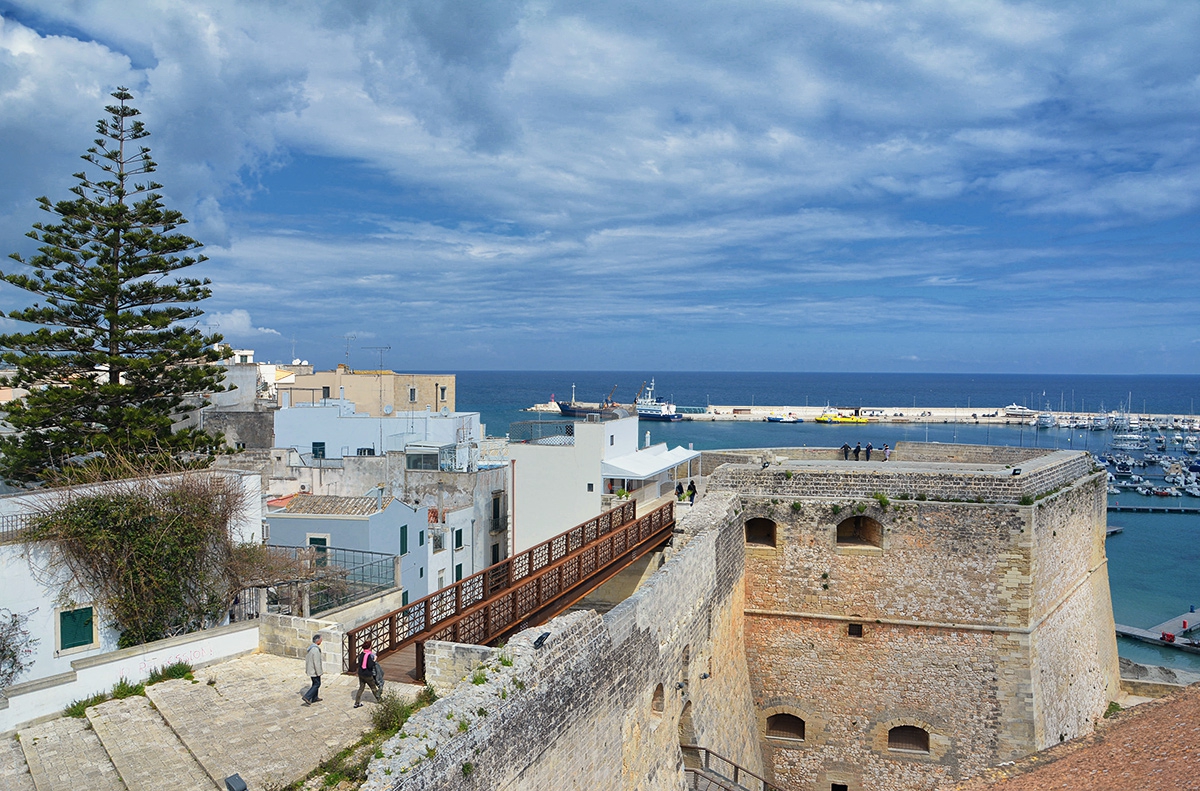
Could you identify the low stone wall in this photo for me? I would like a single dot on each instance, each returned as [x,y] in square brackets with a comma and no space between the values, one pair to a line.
[447,664]
[1048,473]
[605,700]
[291,635]
[964,454]
[24,704]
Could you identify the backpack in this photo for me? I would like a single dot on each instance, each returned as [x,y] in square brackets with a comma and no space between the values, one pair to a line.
[377,671]
[371,665]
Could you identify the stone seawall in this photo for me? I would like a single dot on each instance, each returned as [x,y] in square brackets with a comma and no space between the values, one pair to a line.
[605,701]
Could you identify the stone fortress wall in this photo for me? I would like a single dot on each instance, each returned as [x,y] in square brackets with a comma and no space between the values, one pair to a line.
[606,700]
[986,625]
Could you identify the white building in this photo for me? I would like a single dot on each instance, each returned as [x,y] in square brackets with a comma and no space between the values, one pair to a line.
[560,472]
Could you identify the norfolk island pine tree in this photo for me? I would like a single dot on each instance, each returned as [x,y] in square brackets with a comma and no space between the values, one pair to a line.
[114,358]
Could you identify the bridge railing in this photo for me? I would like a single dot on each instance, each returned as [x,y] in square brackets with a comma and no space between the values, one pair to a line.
[483,606]
[705,769]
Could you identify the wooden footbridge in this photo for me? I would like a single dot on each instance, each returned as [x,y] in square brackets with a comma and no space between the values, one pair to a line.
[522,591]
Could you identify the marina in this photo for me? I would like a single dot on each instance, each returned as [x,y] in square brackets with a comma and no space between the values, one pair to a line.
[1172,633]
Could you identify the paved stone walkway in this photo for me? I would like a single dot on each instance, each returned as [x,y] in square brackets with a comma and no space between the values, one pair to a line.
[66,754]
[14,773]
[146,752]
[252,722]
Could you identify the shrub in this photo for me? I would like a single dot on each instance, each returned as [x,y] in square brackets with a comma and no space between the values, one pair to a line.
[78,708]
[479,677]
[123,689]
[787,474]
[796,506]
[426,695]
[391,713]
[506,659]
[1113,708]
[837,509]
[1026,500]
[882,499]
[921,496]
[175,670]
[468,769]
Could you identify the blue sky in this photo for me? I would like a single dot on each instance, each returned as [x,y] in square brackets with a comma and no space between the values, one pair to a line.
[836,185]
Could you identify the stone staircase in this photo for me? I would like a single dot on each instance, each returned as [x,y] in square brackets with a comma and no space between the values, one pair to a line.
[185,736]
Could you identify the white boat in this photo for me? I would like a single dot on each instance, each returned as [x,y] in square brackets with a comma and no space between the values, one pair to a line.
[1119,422]
[1193,490]
[1177,439]
[1015,410]
[651,408]
[1100,423]
[1190,448]
[1128,442]
[1045,420]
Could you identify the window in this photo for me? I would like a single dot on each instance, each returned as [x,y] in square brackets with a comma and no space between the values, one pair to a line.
[324,392]
[243,358]
[495,554]
[591,487]
[443,393]
[412,395]
[318,450]
[365,452]
[760,532]
[403,539]
[441,578]
[239,445]
[319,543]
[838,787]
[610,439]
[908,738]
[457,572]
[76,628]
[785,726]
[658,702]
[421,573]
[458,538]
[854,630]
[421,538]
[404,598]
[860,531]
[421,461]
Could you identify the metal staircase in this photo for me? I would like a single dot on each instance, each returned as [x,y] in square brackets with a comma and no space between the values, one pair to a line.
[705,770]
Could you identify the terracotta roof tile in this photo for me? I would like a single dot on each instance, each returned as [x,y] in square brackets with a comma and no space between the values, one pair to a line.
[329,504]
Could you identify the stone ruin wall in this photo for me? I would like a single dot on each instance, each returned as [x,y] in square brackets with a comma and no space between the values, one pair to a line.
[578,712]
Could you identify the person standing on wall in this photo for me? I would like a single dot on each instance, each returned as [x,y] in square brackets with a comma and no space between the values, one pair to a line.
[846,451]
[691,492]
[312,666]
[869,448]
[678,490]
[365,665]
[887,452]
[857,450]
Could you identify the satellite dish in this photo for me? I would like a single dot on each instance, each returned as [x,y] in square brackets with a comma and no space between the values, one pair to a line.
[387,410]
[445,411]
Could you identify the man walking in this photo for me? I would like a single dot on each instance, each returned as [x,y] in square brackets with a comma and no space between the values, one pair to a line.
[312,666]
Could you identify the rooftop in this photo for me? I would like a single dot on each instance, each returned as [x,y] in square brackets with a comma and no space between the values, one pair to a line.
[331,504]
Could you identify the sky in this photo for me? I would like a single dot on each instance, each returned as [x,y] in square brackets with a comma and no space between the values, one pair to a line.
[773,186]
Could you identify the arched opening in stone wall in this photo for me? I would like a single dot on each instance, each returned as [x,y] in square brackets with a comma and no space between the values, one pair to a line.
[785,726]
[687,732]
[860,531]
[658,702]
[908,738]
[760,532]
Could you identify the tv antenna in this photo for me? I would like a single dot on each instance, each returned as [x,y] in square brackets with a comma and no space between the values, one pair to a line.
[381,350]
[347,339]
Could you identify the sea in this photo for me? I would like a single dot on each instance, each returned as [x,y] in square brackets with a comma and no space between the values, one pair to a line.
[1153,565]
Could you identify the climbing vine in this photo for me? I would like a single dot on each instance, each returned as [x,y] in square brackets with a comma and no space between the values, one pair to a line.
[16,646]
[153,553]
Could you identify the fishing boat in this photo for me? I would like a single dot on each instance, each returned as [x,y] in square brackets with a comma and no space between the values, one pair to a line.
[1100,423]
[829,416]
[572,408]
[651,408]
[788,418]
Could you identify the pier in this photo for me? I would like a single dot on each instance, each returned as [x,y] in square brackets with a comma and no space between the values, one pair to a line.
[1174,626]
[1152,509]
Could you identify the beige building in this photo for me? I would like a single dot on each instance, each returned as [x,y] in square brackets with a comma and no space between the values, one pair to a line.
[375,393]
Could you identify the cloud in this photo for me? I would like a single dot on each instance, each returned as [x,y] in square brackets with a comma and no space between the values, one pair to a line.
[540,177]
[236,324]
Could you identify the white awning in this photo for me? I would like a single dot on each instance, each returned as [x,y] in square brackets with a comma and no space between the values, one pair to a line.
[647,463]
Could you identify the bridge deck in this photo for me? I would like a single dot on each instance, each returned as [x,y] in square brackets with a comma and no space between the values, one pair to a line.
[520,591]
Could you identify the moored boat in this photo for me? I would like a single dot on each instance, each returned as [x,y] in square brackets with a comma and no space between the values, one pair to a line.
[651,408]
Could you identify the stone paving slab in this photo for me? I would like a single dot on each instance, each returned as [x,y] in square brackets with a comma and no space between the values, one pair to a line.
[66,754]
[14,773]
[148,755]
[252,722]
